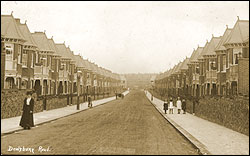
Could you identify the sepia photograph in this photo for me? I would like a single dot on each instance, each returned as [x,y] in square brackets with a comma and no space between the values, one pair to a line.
[124,77]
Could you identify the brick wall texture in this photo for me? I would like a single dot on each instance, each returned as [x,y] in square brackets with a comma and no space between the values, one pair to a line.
[244,76]
[231,113]
[12,102]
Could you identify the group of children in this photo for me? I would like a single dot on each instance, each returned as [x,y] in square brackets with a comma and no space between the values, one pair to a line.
[181,105]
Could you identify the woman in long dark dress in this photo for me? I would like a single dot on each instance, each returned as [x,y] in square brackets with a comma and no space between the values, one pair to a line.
[27,116]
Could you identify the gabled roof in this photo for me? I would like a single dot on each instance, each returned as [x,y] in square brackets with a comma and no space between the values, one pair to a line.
[79,61]
[200,56]
[42,41]
[211,46]
[195,55]
[240,32]
[87,65]
[172,71]
[92,67]
[177,69]
[100,71]
[10,29]
[184,65]
[220,46]
[63,50]
[53,47]
[26,34]
[70,53]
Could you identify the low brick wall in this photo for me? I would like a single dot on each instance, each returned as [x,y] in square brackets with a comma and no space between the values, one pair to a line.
[12,103]
[232,113]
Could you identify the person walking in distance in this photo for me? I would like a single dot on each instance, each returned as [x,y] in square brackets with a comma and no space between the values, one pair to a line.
[165,106]
[171,106]
[27,113]
[178,103]
[184,106]
[89,101]
[152,98]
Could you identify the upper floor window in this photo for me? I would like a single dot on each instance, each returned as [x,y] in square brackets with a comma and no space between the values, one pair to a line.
[218,62]
[63,66]
[212,65]
[25,58]
[9,51]
[236,55]
[224,63]
[32,60]
[19,55]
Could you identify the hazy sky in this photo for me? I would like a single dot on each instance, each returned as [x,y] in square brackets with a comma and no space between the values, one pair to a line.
[130,37]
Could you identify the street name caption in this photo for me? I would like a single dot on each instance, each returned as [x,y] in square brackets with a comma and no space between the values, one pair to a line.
[40,149]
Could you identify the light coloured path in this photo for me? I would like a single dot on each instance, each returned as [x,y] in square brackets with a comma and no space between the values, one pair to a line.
[12,124]
[218,140]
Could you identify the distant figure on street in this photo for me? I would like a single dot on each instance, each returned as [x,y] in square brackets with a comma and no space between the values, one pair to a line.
[165,106]
[184,106]
[171,106]
[116,95]
[152,98]
[27,115]
[195,101]
[89,101]
[178,103]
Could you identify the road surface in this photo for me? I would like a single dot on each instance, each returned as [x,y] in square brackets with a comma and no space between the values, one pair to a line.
[124,126]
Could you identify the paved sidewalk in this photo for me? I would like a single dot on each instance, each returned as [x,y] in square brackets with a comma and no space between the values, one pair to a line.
[209,137]
[10,125]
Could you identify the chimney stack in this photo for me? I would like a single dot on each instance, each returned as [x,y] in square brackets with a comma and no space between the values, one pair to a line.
[17,20]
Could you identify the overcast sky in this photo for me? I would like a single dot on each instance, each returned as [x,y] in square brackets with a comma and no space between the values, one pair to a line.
[130,37]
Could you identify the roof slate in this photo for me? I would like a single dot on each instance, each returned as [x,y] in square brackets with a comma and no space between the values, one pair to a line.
[27,34]
[220,46]
[42,41]
[195,55]
[184,65]
[53,47]
[240,32]
[211,46]
[63,50]
[9,28]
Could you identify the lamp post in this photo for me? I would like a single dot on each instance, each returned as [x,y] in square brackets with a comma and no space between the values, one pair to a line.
[78,89]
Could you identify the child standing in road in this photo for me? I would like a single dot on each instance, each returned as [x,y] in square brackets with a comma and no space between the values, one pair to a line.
[178,103]
[184,106]
[165,106]
[171,106]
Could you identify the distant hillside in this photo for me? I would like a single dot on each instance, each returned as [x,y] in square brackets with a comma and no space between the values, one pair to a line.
[138,80]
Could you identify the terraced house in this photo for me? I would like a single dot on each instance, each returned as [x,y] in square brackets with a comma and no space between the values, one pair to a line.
[237,59]
[43,69]
[12,41]
[193,72]
[220,51]
[221,67]
[208,68]
[32,61]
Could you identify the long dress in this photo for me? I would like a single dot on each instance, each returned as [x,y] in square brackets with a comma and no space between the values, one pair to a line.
[27,116]
[178,104]
[171,106]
